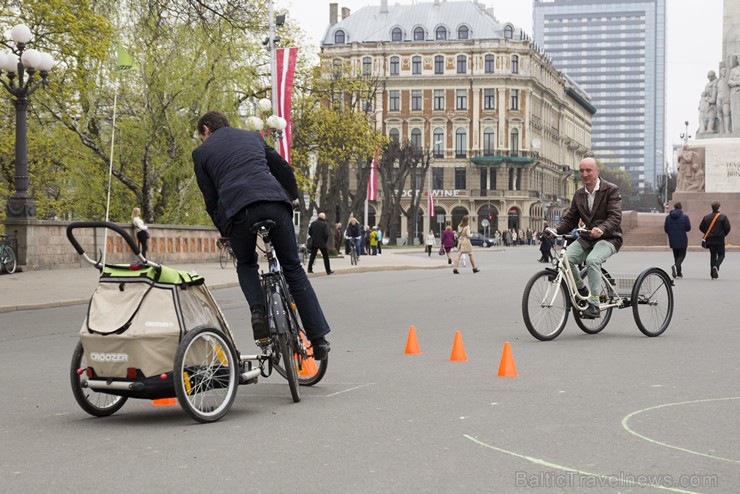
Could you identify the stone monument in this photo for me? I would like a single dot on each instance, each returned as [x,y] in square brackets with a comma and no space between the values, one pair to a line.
[708,167]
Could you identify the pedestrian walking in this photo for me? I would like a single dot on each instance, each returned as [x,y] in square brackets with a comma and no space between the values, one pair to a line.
[676,225]
[319,233]
[429,243]
[448,242]
[464,245]
[715,226]
[545,248]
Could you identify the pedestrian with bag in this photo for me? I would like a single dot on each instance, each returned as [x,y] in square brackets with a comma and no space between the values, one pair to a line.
[319,233]
[141,230]
[715,226]
[448,242]
[464,244]
[677,223]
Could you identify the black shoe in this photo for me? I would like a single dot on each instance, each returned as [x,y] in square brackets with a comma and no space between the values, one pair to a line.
[329,272]
[449,261]
[584,291]
[715,272]
[475,270]
[591,312]
[541,260]
[259,326]
[310,271]
[673,272]
[679,275]
[321,348]
[456,271]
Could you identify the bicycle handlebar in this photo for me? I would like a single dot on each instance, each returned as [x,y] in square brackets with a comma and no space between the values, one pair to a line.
[103,224]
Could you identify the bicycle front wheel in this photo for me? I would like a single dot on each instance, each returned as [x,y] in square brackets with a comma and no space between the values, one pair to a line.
[652,301]
[223,258]
[8,259]
[206,374]
[310,370]
[545,306]
[95,403]
[283,351]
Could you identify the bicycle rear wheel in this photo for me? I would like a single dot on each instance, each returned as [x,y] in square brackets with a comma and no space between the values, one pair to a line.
[593,326]
[206,374]
[233,257]
[95,403]
[652,301]
[223,258]
[545,306]
[8,259]
[283,347]
[310,370]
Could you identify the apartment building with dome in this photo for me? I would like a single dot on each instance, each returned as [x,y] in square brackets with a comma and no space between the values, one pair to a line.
[506,128]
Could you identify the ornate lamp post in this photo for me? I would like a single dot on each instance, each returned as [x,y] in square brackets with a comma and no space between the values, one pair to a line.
[20,67]
[275,125]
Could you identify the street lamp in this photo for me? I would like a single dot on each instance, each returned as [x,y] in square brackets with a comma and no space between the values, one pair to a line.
[275,125]
[685,136]
[20,66]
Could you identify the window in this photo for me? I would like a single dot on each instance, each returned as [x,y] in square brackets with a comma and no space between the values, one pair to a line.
[461,101]
[489,99]
[367,66]
[419,34]
[396,34]
[440,33]
[394,101]
[395,65]
[509,31]
[489,141]
[492,182]
[416,138]
[483,181]
[438,178]
[439,99]
[438,139]
[514,99]
[462,64]
[489,64]
[515,64]
[461,143]
[394,135]
[439,64]
[514,142]
[460,179]
[416,65]
[463,32]
[416,99]
[339,37]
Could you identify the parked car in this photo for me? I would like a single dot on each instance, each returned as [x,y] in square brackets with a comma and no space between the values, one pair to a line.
[479,240]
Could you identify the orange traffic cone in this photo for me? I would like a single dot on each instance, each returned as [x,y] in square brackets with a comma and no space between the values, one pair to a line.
[458,349]
[412,346]
[507,368]
[164,402]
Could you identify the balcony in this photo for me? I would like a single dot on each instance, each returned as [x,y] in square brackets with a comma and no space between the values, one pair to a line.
[504,156]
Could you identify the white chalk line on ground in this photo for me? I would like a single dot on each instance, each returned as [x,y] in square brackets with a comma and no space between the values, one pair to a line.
[628,429]
[608,479]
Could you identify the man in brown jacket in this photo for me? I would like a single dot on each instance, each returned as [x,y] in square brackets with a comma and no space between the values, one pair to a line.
[599,205]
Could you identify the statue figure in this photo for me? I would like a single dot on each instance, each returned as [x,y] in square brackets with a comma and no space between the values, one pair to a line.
[696,180]
[708,104]
[734,83]
[687,158]
[723,102]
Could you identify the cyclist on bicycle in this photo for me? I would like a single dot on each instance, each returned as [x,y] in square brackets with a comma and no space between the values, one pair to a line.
[243,181]
[354,233]
[599,205]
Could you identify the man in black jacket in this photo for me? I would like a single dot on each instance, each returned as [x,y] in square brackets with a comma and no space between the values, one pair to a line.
[319,232]
[715,238]
[243,181]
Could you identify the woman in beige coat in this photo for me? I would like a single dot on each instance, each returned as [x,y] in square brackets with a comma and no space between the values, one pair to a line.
[464,245]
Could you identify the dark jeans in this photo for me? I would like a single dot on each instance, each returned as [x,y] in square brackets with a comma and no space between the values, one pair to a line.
[142,237]
[324,254]
[716,255]
[243,242]
[678,256]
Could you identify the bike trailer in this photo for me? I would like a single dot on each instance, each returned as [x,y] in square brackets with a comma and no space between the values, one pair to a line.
[135,321]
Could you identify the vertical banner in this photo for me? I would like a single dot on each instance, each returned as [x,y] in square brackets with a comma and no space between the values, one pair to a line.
[286,60]
[430,193]
[372,181]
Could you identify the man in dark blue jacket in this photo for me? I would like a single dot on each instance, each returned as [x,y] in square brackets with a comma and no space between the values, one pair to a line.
[243,181]
[676,225]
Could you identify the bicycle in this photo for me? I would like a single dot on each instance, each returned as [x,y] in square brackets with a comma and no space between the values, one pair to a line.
[226,253]
[289,351]
[7,256]
[354,256]
[550,295]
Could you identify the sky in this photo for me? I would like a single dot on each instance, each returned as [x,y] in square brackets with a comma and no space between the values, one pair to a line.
[693,44]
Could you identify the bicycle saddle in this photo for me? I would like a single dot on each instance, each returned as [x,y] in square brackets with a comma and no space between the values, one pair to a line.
[266,224]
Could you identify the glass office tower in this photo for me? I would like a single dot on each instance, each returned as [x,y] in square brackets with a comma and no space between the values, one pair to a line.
[615,50]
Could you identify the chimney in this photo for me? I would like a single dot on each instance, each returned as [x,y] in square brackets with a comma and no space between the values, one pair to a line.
[345,12]
[333,9]
[383,6]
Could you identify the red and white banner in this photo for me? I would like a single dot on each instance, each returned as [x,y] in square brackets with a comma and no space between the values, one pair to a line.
[372,181]
[430,193]
[286,60]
